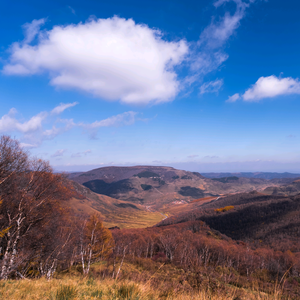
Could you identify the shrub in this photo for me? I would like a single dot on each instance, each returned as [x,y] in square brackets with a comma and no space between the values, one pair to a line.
[223,209]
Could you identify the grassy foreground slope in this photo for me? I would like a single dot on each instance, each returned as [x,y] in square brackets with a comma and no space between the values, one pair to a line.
[79,287]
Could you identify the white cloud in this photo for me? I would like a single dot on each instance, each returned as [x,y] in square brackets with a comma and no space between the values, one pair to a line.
[33,131]
[217,33]
[51,133]
[233,98]
[32,29]
[209,54]
[26,145]
[34,124]
[126,118]
[59,153]
[272,86]
[62,107]
[208,61]
[114,59]
[8,123]
[211,87]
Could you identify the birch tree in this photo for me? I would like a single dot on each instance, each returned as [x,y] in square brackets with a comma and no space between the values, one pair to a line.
[96,242]
[29,192]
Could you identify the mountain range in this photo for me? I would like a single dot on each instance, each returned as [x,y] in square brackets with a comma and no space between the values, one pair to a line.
[162,187]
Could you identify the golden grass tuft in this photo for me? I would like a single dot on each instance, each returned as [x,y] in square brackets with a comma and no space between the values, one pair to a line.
[79,287]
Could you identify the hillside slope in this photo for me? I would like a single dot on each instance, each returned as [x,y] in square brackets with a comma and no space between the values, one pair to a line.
[291,189]
[160,186]
[114,212]
[251,217]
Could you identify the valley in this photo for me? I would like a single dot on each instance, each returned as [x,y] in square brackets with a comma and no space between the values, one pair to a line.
[145,232]
[142,196]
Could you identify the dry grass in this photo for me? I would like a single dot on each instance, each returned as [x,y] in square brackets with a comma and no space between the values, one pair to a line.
[113,215]
[137,219]
[82,288]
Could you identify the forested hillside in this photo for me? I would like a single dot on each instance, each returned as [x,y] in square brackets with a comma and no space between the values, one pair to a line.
[226,245]
[259,219]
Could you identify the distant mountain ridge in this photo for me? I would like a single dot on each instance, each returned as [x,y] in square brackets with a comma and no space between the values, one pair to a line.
[159,186]
[263,175]
[133,191]
[113,174]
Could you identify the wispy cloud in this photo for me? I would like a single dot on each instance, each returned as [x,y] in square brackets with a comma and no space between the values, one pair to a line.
[59,152]
[26,145]
[126,118]
[211,156]
[80,154]
[62,107]
[34,131]
[72,10]
[233,98]
[218,32]
[32,29]
[209,53]
[211,86]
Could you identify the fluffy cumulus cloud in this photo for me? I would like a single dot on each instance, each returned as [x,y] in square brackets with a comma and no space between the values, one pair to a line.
[119,60]
[272,86]
[114,59]
[268,87]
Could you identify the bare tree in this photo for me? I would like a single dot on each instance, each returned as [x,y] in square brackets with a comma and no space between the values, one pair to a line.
[96,242]
[30,195]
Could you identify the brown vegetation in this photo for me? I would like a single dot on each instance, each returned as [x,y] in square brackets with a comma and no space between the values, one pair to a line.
[184,257]
[223,209]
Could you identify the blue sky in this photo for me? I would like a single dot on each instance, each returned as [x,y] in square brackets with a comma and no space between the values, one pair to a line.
[198,85]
